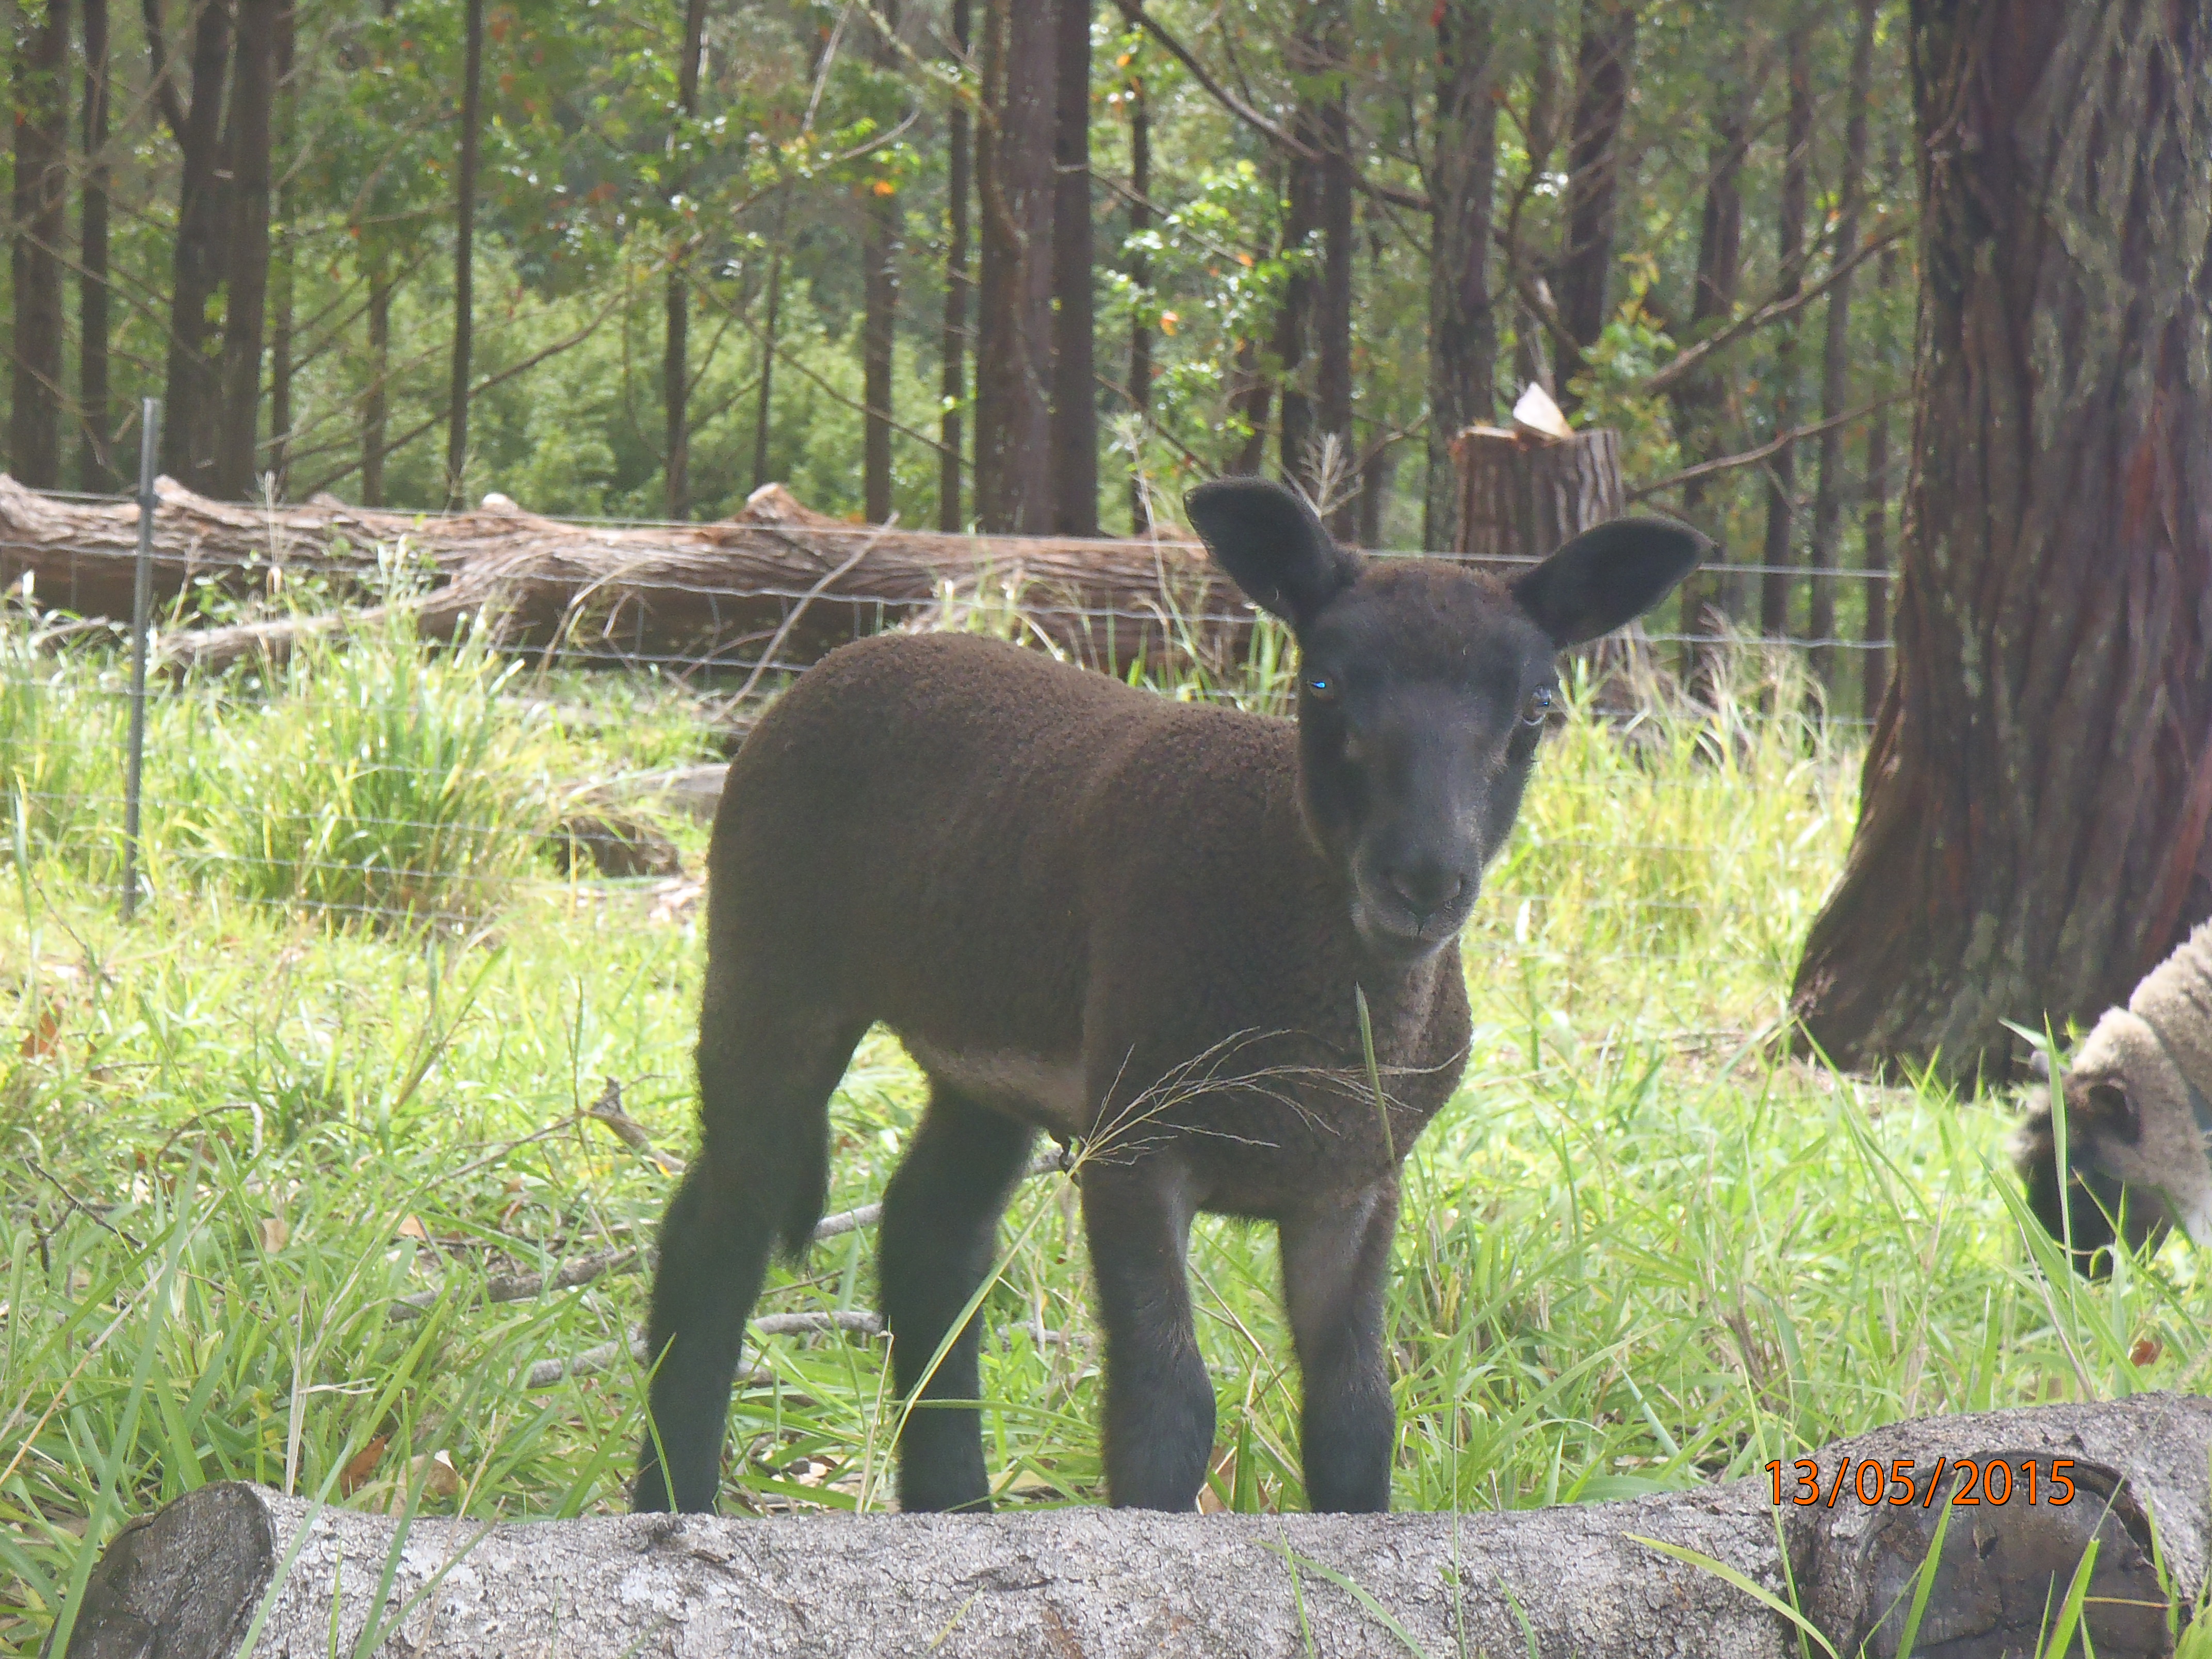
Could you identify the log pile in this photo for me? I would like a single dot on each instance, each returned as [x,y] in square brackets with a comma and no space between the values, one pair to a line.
[721,593]
[1585,1579]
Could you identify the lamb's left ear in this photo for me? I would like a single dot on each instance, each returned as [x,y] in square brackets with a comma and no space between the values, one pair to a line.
[1274,544]
[1607,576]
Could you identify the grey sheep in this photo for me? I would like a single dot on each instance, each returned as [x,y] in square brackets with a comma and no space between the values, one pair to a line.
[2138,1120]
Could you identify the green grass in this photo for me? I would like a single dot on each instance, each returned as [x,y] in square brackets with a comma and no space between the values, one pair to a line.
[1637,1252]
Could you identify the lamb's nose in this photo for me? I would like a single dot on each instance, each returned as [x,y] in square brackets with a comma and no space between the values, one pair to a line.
[1426,888]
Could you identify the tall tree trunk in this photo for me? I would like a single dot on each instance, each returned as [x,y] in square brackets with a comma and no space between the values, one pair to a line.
[879,250]
[95,470]
[1302,217]
[1836,360]
[2032,831]
[1013,369]
[1790,226]
[952,385]
[375,404]
[465,233]
[1252,396]
[280,260]
[1333,382]
[1462,329]
[1141,283]
[252,127]
[1708,597]
[1074,364]
[1874,657]
[764,409]
[676,337]
[1603,62]
[192,402]
[41,226]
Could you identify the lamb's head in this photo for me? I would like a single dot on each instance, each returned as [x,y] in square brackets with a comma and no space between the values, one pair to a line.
[1423,689]
[2135,1147]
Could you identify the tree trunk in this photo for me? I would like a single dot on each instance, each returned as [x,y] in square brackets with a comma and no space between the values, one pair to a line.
[1701,400]
[1836,356]
[192,404]
[95,469]
[42,227]
[1141,283]
[281,271]
[465,232]
[1301,219]
[765,408]
[1580,1579]
[676,340]
[879,246]
[2032,831]
[1603,66]
[375,402]
[1252,395]
[1874,657]
[1013,369]
[1074,368]
[1333,381]
[953,387]
[251,129]
[1462,330]
[1789,224]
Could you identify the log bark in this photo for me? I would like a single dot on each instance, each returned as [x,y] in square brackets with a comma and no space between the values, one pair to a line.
[711,593]
[2027,846]
[186,1581]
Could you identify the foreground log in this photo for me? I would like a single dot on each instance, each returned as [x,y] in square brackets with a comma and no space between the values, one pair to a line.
[186,1582]
[778,574]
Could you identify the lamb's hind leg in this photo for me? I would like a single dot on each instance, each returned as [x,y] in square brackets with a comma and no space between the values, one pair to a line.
[939,1225]
[764,1088]
[1336,1261]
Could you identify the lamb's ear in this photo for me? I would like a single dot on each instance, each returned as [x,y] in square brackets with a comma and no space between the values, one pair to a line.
[1271,544]
[1607,576]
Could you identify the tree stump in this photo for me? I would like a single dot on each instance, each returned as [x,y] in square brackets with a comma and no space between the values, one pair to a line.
[1523,496]
[1583,1579]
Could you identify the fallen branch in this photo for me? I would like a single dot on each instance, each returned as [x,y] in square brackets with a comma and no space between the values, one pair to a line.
[709,594]
[1606,1580]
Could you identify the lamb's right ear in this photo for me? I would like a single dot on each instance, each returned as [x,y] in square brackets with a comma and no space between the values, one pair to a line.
[1273,545]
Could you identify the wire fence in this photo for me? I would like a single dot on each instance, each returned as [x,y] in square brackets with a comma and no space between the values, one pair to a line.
[384,774]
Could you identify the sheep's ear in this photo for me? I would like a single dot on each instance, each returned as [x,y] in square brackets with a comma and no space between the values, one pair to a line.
[1273,544]
[1607,576]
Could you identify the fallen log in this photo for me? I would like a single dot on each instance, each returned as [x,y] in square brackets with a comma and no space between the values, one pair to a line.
[186,1581]
[699,594]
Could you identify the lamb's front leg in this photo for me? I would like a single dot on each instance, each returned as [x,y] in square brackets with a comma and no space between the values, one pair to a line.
[1336,1263]
[1159,1400]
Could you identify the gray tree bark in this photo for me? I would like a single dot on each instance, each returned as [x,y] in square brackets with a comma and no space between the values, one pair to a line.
[186,1581]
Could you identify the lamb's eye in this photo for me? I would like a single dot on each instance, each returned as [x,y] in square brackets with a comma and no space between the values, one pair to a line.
[1537,706]
[1321,687]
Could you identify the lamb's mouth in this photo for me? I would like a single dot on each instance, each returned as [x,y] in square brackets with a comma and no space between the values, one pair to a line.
[1404,937]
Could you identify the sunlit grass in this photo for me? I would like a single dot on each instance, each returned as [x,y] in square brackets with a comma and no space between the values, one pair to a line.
[1638,1251]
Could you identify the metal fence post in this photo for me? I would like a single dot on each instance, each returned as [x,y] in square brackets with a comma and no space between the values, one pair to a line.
[141,602]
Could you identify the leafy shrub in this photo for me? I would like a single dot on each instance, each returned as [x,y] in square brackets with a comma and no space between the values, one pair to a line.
[381,780]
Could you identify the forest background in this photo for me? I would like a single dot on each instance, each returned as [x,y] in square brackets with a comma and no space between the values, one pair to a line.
[637,259]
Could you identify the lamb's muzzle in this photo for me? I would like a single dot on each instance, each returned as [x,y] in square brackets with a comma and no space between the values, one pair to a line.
[2138,1103]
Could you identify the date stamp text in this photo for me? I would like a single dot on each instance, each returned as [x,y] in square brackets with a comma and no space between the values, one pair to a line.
[1901,1482]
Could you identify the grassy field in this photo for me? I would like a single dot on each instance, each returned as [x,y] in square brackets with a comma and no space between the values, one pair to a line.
[1639,1252]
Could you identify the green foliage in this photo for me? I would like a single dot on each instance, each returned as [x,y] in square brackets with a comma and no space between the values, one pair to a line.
[375,778]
